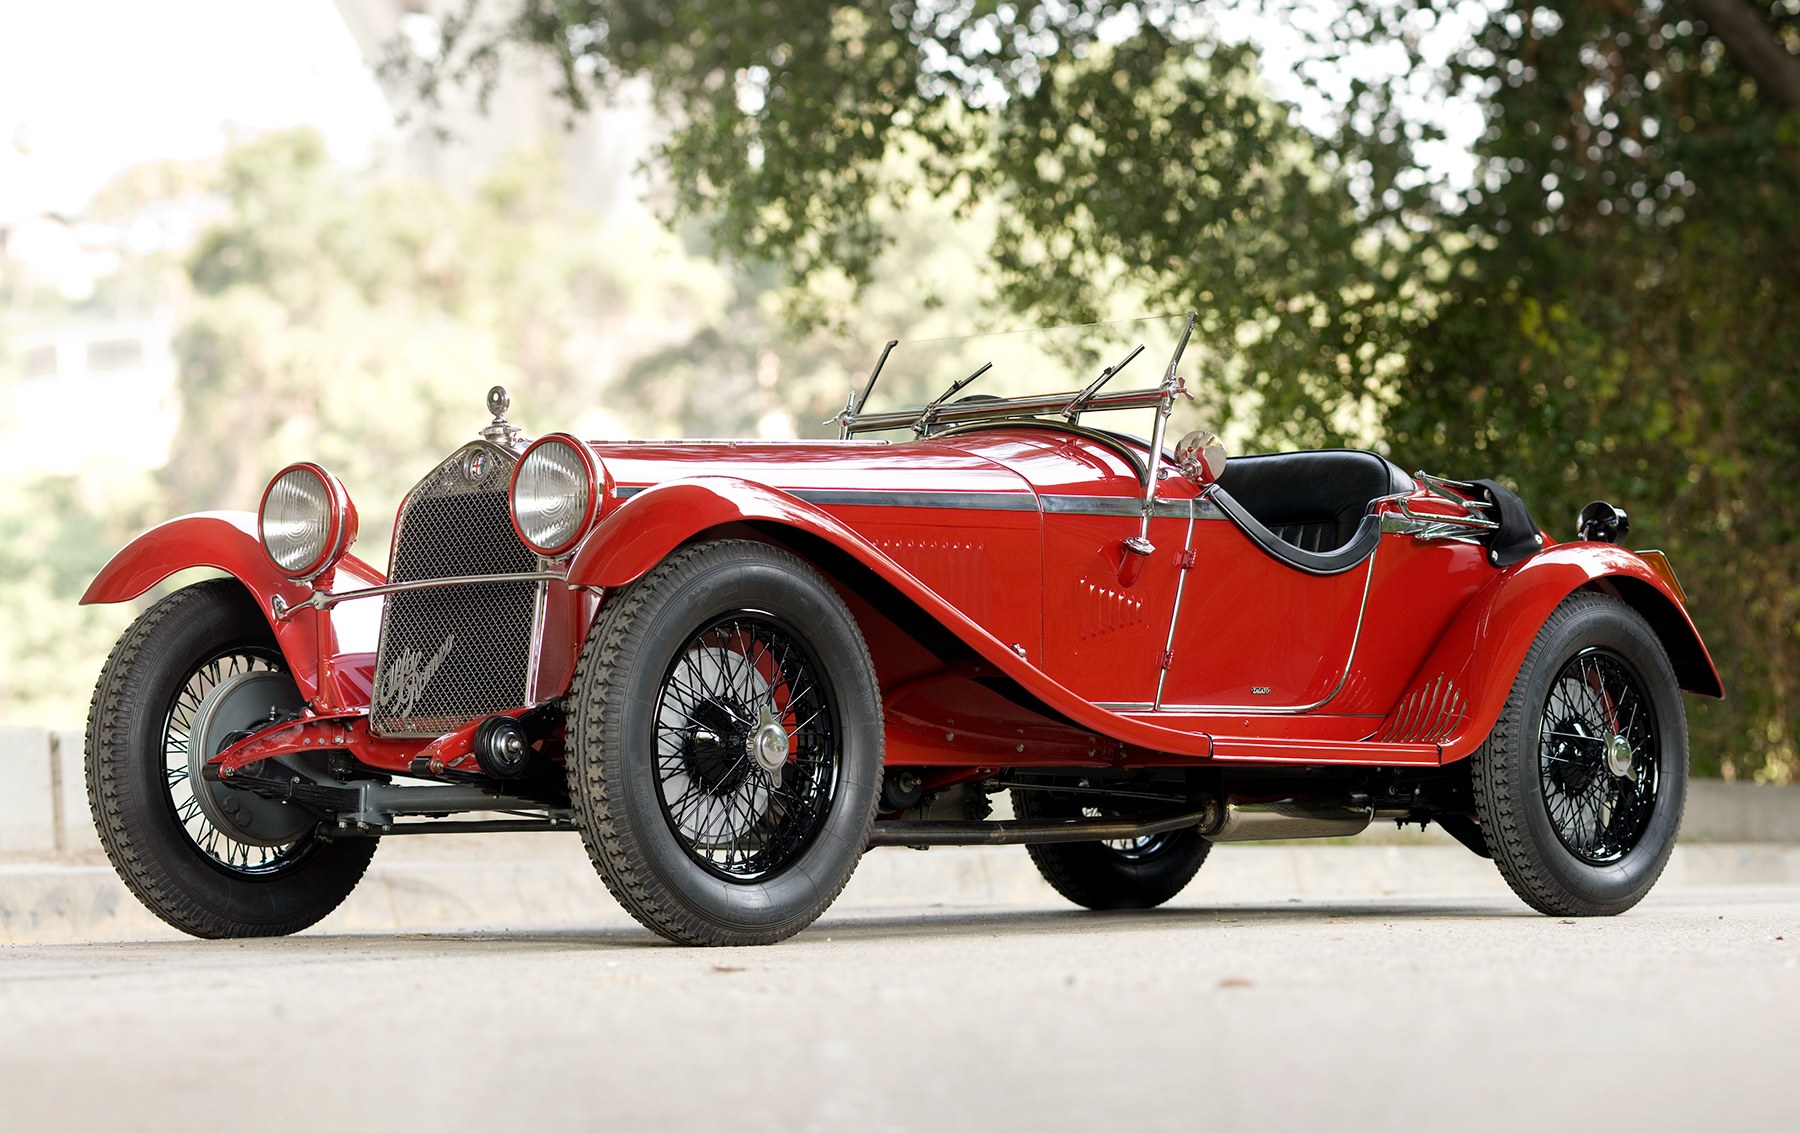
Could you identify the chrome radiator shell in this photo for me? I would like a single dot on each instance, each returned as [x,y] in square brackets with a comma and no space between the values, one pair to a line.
[449,655]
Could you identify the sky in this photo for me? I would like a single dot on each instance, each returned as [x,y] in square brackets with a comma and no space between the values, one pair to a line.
[89,88]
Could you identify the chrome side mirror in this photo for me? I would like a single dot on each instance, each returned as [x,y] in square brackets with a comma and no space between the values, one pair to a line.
[1201,458]
[1601,522]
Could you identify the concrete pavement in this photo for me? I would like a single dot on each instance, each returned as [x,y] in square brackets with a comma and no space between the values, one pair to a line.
[528,881]
[1277,1013]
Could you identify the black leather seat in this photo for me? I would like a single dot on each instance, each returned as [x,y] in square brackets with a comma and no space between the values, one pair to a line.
[1309,509]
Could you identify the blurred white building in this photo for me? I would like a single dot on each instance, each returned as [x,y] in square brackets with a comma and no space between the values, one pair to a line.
[90,394]
[81,391]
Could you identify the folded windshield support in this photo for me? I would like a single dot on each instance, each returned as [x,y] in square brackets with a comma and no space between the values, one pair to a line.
[1172,385]
[857,404]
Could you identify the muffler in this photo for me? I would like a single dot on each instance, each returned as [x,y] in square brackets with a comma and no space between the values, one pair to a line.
[1282,819]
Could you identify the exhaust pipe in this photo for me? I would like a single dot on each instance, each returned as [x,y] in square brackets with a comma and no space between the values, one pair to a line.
[1289,818]
[1021,833]
[1239,821]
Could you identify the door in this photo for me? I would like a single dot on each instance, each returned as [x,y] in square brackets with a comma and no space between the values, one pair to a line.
[1254,634]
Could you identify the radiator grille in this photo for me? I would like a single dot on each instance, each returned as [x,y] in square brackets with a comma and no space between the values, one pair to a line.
[452,654]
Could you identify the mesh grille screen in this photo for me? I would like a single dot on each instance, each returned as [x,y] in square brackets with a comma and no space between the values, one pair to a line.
[453,654]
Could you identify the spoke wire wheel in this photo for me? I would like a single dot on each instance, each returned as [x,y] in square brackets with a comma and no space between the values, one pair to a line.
[177,860]
[1580,786]
[747,754]
[198,820]
[725,744]
[1118,873]
[1132,849]
[1597,765]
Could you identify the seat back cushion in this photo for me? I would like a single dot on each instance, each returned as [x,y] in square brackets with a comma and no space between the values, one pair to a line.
[1313,500]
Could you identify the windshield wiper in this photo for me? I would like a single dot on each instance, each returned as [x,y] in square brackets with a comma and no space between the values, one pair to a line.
[1072,411]
[923,424]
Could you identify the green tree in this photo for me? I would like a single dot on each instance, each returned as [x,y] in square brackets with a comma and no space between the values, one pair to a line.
[1619,324]
[358,319]
[1122,160]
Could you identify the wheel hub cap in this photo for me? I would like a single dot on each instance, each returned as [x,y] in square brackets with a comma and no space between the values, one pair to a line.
[241,703]
[769,744]
[1618,755]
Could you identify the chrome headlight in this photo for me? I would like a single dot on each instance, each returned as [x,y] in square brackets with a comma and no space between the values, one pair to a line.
[555,494]
[307,521]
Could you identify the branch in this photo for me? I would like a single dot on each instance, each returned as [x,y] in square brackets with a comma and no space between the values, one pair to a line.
[1742,30]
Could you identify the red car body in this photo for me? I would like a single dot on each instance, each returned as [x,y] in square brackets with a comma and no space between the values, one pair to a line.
[1349,650]
[1403,661]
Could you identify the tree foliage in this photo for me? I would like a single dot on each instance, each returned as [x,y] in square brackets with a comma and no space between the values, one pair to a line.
[1619,328]
[1127,161]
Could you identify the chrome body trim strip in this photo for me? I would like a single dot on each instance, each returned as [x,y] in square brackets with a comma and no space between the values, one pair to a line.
[874,497]
[1128,509]
[540,614]
[1124,508]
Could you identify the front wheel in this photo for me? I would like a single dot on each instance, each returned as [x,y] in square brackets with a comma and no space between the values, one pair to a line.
[1580,786]
[194,669]
[725,745]
[1132,873]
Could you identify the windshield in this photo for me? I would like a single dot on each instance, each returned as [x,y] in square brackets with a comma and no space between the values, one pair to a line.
[922,384]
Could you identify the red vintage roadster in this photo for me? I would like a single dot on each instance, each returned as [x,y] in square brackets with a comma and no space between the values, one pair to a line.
[733,667]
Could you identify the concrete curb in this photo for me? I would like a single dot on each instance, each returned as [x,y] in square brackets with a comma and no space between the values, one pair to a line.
[539,882]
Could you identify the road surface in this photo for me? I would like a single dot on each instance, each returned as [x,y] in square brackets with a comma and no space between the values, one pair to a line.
[1465,1012]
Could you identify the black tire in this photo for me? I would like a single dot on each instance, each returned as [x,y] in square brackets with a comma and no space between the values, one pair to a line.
[681,672]
[1110,875]
[184,868]
[1581,784]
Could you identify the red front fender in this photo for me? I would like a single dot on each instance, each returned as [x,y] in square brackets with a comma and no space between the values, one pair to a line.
[227,541]
[1480,656]
[656,521]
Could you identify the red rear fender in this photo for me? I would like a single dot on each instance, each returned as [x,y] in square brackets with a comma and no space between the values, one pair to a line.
[1459,692]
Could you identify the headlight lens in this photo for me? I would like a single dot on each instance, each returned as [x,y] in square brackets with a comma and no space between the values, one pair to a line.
[306,521]
[554,493]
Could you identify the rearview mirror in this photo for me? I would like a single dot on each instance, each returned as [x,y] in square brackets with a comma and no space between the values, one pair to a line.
[1201,458]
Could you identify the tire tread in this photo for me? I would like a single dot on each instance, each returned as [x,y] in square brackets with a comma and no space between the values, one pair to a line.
[119,690]
[612,844]
[1500,782]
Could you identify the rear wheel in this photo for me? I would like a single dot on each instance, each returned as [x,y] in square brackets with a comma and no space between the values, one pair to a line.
[725,745]
[1133,873]
[195,668]
[1580,786]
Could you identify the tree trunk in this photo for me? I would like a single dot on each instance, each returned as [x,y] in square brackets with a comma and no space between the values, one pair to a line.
[1753,44]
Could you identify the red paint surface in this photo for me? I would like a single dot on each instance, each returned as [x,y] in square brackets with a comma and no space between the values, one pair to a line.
[1264,663]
